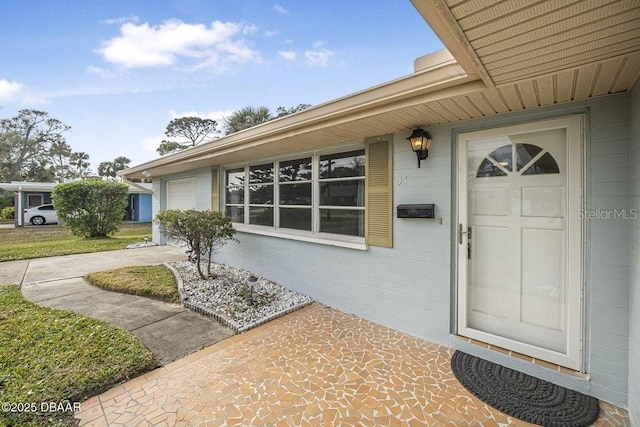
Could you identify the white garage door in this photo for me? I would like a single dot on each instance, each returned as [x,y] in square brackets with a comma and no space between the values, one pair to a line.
[181,194]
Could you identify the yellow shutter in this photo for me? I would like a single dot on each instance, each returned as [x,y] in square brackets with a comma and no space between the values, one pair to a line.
[215,190]
[379,183]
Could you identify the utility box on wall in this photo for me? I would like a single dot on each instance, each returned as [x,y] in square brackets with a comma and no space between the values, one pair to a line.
[416,211]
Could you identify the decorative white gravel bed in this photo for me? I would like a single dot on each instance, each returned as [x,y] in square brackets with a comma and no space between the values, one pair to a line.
[235,297]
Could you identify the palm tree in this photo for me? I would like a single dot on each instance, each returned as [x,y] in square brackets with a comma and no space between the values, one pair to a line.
[246,118]
[79,161]
[110,169]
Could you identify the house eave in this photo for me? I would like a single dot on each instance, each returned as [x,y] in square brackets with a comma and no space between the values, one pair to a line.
[442,80]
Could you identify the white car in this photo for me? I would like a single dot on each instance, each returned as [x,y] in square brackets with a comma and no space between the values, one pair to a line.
[39,215]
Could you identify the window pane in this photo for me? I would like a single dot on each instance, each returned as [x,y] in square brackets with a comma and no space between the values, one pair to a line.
[526,152]
[503,156]
[260,216]
[235,176]
[261,174]
[234,195]
[341,221]
[296,218]
[545,164]
[342,165]
[261,194]
[295,170]
[235,213]
[295,194]
[487,169]
[342,193]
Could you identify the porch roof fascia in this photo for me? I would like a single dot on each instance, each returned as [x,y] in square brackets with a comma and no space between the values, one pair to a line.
[27,186]
[438,16]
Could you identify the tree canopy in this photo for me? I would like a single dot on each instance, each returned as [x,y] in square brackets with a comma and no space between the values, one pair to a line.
[249,117]
[286,111]
[190,131]
[33,148]
[109,169]
[246,118]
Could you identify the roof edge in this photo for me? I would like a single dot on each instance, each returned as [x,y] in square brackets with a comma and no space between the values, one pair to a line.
[439,76]
[437,14]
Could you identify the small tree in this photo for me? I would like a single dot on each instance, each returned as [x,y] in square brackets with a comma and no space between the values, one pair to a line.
[204,232]
[8,213]
[190,131]
[91,208]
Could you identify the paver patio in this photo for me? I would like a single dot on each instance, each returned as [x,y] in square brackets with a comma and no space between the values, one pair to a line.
[314,367]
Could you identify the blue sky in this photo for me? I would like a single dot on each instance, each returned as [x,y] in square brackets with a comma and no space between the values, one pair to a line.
[117,71]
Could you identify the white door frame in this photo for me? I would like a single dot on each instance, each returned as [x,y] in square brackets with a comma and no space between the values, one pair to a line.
[574,357]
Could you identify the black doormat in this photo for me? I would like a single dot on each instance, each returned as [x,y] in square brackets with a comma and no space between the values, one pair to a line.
[523,396]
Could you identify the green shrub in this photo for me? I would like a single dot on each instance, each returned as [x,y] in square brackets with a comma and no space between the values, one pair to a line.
[8,213]
[91,208]
[204,232]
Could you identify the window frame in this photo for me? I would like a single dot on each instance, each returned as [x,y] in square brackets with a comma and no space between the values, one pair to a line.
[313,235]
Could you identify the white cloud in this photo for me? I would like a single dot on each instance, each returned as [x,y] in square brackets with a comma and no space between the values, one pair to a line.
[15,92]
[121,20]
[34,99]
[9,91]
[271,33]
[318,58]
[289,55]
[319,44]
[279,9]
[216,46]
[101,72]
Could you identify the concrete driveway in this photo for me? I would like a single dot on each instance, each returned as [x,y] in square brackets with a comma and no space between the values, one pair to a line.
[170,331]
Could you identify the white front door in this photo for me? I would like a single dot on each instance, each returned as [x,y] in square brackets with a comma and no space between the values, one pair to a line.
[520,238]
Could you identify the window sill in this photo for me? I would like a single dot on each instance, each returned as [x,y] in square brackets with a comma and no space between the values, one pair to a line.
[331,240]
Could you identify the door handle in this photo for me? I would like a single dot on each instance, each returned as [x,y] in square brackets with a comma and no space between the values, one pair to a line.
[460,233]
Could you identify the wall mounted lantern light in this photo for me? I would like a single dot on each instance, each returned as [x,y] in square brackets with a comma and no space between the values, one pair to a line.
[420,141]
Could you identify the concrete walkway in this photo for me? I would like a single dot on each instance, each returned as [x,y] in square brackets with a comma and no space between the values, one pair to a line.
[170,331]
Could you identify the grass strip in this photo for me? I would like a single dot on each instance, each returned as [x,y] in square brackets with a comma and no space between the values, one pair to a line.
[50,240]
[50,355]
[153,281]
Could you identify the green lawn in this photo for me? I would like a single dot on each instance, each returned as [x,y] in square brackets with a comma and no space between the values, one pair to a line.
[153,281]
[50,240]
[49,355]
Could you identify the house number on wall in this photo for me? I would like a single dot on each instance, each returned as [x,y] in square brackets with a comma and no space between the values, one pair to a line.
[402,180]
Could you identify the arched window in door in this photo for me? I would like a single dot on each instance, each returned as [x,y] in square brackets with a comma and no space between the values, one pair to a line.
[529,160]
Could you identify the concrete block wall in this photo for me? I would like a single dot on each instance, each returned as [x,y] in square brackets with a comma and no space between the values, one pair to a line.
[406,288]
[634,270]
[608,274]
[411,287]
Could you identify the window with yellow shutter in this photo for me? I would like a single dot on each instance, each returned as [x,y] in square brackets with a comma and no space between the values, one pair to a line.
[379,181]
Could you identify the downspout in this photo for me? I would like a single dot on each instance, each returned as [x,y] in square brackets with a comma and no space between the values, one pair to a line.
[19,208]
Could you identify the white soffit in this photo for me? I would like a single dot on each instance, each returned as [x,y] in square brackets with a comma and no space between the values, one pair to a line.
[523,39]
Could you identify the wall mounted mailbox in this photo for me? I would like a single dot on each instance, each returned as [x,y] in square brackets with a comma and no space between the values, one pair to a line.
[416,211]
